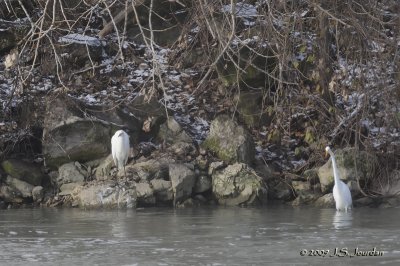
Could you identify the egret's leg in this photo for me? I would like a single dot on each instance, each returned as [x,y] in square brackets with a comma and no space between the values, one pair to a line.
[126,179]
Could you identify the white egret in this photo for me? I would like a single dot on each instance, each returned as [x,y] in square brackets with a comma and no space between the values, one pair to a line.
[120,149]
[341,192]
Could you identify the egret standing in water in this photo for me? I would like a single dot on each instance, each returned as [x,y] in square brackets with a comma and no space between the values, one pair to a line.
[120,149]
[341,192]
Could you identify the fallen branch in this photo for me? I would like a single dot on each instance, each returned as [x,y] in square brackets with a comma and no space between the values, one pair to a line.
[108,28]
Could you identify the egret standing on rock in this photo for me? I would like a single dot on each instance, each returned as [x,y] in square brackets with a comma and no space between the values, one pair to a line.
[341,192]
[120,149]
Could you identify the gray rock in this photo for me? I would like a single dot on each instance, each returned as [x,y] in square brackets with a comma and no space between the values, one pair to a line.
[305,198]
[75,139]
[182,149]
[238,184]
[69,173]
[229,141]
[145,194]
[24,188]
[24,171]
[68,188]
[281,191]
[162,190]
[79,50]
[10,194]
[147,170]
[37,193]
[352,165]
[362,202]
[214,166]
[326,201]
[104,195]
[103,171]
[301,187]
[182,180]
[203,183]
[74,131]
[171,132]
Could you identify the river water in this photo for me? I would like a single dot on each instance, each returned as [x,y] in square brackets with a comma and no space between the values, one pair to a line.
[199,236]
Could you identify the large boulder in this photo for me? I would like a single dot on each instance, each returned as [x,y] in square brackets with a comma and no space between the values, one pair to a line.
[68,188]
[145,194]
[326,201]
[162,190]
[104,195]
[76,131]
[24,171]
[238,184]
[68,136]
[10,194]
[70,173]
[229,141]
[147,170]
[182,180]
[79,50]
[352,164]
[24,189]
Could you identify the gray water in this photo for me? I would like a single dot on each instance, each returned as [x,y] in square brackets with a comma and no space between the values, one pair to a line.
[199,236]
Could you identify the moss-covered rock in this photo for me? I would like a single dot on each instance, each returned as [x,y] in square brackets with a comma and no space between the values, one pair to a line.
[24,188]
[24,171]
[229,141]
[238,184]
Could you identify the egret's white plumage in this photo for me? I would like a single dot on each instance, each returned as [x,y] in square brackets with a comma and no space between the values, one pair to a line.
[120,148]
[341,192]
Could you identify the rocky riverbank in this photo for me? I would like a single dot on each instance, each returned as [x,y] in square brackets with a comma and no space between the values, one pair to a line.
[166,167]
[235,113]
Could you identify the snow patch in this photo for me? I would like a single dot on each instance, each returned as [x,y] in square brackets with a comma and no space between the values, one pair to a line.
[80,39]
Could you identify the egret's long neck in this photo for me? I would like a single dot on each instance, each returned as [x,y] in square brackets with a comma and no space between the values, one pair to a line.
[335,170]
